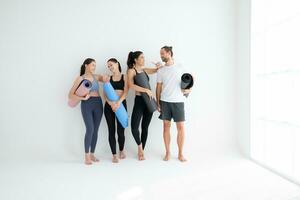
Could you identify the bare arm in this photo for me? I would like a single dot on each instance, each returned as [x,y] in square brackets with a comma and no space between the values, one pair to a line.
[125,92]
[158,93]
[153,70]
[149,70]
[72,94]
[102,78]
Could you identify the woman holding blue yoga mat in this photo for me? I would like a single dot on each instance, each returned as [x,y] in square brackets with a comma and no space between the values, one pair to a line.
[119,84]
[91,106]
[140,111]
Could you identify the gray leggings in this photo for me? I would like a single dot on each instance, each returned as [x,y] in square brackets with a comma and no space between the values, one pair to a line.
[92,110]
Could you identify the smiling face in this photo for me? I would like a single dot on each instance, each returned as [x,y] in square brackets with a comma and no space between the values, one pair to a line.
[140,61]
[113,66]
[164,55]
[90,67]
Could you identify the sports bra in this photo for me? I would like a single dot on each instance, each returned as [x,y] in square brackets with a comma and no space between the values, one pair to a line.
[95,85]
[118,85]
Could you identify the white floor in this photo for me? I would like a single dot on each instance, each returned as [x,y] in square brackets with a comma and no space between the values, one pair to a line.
[205,178]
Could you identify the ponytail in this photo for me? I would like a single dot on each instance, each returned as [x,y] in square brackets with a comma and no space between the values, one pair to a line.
[131,58]
[82,69]
[120,69]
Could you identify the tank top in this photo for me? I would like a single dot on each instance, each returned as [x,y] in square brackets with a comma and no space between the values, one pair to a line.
[95,85]
[140,72]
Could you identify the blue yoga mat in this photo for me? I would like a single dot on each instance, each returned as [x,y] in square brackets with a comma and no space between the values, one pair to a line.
[121,112]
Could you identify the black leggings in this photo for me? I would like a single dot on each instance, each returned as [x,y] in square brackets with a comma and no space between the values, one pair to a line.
[92,110]
[111,123]
[140,110]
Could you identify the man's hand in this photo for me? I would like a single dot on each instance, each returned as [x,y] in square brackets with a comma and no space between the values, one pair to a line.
[158,107]
[186,91]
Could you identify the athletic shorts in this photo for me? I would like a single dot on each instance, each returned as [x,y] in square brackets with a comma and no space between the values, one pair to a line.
[171,110]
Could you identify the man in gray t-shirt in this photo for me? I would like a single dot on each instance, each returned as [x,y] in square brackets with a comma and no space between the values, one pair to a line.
[170,99]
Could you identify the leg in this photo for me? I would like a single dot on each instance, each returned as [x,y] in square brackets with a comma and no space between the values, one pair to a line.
[111,125]
[180,140]
[87,115]
[121,136]
[136,117]
[147,116]
[97,116]
[166,116]
[110,119]
[167,138]
[121,139]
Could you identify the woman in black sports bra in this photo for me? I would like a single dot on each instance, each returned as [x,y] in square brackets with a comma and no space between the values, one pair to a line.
[119,83]
[140,111]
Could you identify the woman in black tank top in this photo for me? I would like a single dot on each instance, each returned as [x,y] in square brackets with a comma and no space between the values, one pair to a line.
[140,112]
[119,83]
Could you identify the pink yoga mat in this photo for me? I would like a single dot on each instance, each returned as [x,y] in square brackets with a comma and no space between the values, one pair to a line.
[82,90]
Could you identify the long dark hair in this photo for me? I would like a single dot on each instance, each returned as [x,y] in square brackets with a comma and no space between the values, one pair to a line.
[86,62]
[131,58]
[115,61]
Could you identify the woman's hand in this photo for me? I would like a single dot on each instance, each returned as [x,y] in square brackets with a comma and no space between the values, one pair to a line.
[118,103]
[158,65]
[105,78]
[149,93]
[115,106]
[110,103]
[86,97]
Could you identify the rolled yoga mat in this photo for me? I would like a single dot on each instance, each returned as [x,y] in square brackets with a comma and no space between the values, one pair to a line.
[187,82]
[142,81]
[82,90]
[121,112]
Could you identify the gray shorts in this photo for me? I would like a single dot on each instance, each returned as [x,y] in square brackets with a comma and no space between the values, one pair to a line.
[171,110]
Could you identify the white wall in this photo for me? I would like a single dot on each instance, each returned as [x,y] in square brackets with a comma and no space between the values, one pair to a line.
[243,76]
[44,43]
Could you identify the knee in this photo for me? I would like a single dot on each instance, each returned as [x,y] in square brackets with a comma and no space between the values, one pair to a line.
[121,134]
[133,125]
[167,126]
[95,129]
[145,128]
[121,137]
[180,128]
[111,137]
[134,128]
[89,131]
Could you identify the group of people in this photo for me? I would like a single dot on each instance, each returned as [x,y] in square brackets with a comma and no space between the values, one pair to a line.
[169,97]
